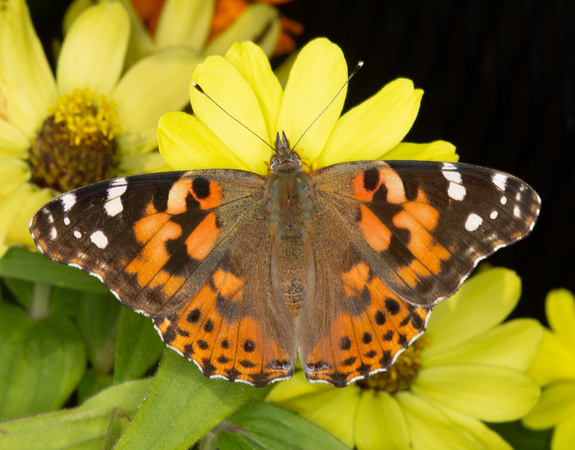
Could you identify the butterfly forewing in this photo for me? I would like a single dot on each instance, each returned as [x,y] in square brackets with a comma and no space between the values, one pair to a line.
[423,226]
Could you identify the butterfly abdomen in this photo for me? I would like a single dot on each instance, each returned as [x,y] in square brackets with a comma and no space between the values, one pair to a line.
[292,264]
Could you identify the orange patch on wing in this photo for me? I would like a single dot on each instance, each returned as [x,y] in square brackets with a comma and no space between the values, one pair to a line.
[154,254]
[181,189]
[170,284]
[355,279]
[427,251]
[359,190]
[377,235]
[202,240]
[148,226]
[394,185]
[423,212]
[226,283]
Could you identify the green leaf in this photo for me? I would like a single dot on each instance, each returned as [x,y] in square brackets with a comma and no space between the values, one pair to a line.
[22,290]
[42,362]
[98,316]
[262,425]
[181,406]
[138,346]
[92,382]
[32,266]
[520,437]
[86,426]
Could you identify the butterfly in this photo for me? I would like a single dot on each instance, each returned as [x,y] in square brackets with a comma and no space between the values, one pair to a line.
[241,272]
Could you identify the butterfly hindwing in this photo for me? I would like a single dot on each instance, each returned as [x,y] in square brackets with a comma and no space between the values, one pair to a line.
[355,326]
[423,226]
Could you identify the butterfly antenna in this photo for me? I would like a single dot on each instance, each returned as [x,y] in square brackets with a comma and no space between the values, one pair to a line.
[199,89]
[353,72]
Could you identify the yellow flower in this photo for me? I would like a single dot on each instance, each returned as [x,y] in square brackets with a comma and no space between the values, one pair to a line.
[466,369]
[88,123]
[190,23]
[554,368]
[244,86]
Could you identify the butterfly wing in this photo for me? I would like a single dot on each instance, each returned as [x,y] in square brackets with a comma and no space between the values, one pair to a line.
[424,226]
[167,245]
[408,234]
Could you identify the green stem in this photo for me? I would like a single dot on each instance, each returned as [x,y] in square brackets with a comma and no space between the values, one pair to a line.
[40,306]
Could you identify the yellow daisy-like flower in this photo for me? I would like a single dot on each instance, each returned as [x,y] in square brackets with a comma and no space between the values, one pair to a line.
[467,368]
[90,122]
[244,86]
[554,369]
[190,23]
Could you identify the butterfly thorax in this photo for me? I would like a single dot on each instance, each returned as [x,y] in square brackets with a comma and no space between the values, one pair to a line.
[289,203]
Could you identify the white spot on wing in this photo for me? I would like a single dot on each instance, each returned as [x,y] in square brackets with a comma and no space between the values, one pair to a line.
[99,277]
[77,234]
[68,200]
[99,239]
[473,222]
[456,191]
[50,218]
[66,221]
[516,211]
[499,180]
[114,206]
[119,182]
[503,200]
[493,215]
[53,233]
[116,191]
[452,175]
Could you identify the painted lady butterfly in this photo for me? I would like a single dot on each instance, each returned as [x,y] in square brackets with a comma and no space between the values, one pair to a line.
[240,272]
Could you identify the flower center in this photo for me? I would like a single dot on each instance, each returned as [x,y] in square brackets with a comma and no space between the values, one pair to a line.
[308,165]
[75,145]
[401,374]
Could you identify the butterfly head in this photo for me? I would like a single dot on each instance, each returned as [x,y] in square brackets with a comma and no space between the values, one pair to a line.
[284,159]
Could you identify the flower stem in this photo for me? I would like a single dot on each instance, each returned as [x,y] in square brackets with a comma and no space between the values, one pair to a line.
[40,305]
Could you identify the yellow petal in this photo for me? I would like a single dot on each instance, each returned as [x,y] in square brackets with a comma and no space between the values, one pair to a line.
[490,393]
[430,427]
[483,301]
[141,43]
[185,22]
[27,86]
[258,23]
[557,402]
[225,85]
[19,232]
[252,63]
[9,208]
[141,163]
[433,151]
[13,173]
[153,86]
[376,126]
[332,409]
[93,52]
[560,311]
[513,345]
[76,8]
[317,75]
[564,434]
[12,142]
[186,144]
[485,437]
[554,362]
[380,422]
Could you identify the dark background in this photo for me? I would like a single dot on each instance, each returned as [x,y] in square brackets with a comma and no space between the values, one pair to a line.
[499,83]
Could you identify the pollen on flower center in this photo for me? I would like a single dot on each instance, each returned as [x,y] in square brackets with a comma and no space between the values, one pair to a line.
[308,165]
[401,374]
[75,145]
